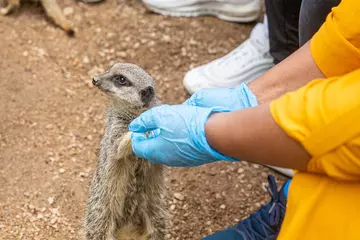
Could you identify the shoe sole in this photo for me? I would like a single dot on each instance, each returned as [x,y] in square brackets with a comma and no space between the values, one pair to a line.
[228,12]
[284,171]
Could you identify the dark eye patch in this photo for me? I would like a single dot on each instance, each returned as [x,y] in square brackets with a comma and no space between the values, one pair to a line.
[146,95]
[120,80]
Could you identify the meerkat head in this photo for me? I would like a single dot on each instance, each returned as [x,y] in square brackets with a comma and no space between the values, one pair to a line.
[128,84]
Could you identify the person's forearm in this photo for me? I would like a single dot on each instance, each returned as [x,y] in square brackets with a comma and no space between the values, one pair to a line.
[292,73]
[252,135]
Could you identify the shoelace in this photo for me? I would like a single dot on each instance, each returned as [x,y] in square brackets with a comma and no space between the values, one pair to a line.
[265,223]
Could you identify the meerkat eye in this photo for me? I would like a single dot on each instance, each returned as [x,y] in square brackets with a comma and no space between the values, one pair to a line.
[120,80]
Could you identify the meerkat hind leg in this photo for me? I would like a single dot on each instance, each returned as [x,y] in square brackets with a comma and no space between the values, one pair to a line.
[12,6]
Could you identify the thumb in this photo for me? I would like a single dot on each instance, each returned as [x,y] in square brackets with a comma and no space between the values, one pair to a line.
[196,99]
[147,121]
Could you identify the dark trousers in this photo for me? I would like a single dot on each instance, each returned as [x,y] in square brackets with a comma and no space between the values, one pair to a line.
[293,22]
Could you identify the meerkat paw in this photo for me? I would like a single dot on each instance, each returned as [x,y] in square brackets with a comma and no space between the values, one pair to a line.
[9,9]
[68,29]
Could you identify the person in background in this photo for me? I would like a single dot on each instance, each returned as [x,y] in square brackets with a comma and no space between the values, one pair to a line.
[269,43]
[307,120]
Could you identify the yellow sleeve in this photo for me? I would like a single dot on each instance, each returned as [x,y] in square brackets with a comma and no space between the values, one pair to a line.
[335,47]
[324,116]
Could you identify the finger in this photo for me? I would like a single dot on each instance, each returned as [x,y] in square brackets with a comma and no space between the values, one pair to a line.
[146,122]
[137,137]
[197,99]
[147,149]
[136,142]
[190,101]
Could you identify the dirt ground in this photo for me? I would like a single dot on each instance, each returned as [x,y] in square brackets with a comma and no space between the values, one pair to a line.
[51,118]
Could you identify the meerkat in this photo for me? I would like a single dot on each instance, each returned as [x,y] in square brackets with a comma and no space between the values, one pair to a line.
[126,194]
[52,9]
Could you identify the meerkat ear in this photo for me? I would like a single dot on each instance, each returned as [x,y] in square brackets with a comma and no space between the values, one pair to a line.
[147,94]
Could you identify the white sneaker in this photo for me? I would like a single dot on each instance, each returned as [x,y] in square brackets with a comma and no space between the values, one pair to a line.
[248,61]
[230,10]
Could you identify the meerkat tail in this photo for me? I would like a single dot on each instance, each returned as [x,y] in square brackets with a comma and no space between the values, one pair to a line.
[12,5]
[130,232]
[54,11]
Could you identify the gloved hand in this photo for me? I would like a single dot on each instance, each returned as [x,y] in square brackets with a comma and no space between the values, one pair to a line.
[232,98]
[181,140]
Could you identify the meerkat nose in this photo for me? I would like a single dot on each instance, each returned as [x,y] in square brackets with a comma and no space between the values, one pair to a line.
[95,81]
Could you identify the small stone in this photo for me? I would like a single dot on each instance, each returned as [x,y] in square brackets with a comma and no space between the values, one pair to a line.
[208,223]
[31,207]
[54,226]
[26,194]
[50,200]
[53,221]
[172,207]
[83,174]
[95,71]
[25,53]
[68,11]
[61,170]
[136,45]
[121,54]
[166,38]
[240,170]
[54,211]
[222,206]
[86,60]
[67,75]
[110,35]
[179,196]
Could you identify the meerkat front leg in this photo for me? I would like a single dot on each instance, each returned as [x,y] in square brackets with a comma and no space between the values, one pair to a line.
[55,13]
[12,5]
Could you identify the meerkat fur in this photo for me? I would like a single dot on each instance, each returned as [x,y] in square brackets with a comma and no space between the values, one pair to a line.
[126,196]
[52,9]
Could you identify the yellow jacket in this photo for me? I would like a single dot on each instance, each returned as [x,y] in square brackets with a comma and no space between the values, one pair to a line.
[324,116]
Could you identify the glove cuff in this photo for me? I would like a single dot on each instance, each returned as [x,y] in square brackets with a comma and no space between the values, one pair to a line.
[247,96]
[217,156]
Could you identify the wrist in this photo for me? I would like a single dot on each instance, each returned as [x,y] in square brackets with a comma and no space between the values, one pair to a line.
[212,131]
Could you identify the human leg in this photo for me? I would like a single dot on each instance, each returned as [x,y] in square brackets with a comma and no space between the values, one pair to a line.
[264,223]
[312,15]
[269,43]
[283,18]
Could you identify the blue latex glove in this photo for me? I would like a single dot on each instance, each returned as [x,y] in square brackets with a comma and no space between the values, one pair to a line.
[179,138]
[232,98]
